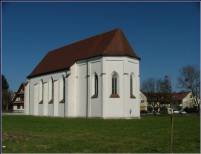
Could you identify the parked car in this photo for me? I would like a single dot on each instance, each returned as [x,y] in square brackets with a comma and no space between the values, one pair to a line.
[176,112]
[182,112]
[170,111]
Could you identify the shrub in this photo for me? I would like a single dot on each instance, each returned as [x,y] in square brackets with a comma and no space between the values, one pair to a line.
[143,112]
[191,110]
[149,109]
[163,110]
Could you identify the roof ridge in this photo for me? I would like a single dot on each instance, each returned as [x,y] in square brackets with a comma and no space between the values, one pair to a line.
[112,38]
[84,39]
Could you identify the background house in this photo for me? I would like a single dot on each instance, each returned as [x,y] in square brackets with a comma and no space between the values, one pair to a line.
[18,100]
[183,99]
[158,101]
[143,103]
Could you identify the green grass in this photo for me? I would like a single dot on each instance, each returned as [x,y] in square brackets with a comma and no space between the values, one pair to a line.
[148,134]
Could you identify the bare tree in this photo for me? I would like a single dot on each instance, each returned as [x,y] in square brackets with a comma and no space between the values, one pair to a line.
[165,85]
[165,90]
[150,88]
[149,85]
[189,79]
[158,91]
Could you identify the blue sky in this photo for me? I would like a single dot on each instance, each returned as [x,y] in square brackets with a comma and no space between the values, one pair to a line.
[164,35]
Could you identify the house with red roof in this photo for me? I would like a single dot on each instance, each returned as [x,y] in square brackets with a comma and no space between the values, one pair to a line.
[143,102]
[95,77]
[183,99]
[179,100]
[18,100]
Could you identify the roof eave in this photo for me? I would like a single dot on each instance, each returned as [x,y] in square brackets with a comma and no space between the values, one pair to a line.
[59,70]
[46,73]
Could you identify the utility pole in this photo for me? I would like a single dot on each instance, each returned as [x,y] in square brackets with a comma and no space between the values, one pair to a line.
[171,132]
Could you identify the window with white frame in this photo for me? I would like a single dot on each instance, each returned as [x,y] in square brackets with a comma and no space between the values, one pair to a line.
[50,91]
[40,92]
[45,91]
[95,86]
[115,85]
[36,89]
[61,90]
[132,85]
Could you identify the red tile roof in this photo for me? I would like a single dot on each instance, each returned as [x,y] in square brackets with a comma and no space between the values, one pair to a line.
[179,96]
[20,91]
[176,96]
[112,43]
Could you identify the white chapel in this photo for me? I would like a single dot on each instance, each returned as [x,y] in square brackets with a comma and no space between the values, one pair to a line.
[94,77]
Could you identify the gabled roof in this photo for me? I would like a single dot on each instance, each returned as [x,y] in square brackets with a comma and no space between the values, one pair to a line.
[20,91]
[176,96]
[179,96]
[112,43]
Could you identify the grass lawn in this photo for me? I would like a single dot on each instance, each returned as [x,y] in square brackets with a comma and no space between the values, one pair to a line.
[148,134]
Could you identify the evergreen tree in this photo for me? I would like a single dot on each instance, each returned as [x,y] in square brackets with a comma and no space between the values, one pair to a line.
[5,94]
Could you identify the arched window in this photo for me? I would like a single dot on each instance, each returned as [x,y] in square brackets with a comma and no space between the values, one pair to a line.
[95,86]
[40,91]
[62,90]
[132,86]
[115,85]
[50,91]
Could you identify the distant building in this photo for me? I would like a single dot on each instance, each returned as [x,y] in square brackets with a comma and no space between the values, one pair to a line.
[183,99]
[179,100]
[18,100]
[143,102]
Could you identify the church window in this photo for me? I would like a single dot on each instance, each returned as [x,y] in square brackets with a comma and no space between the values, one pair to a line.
[132,86]
[50,91]
[40,95]
[115,85]
[95,86]
[62,90]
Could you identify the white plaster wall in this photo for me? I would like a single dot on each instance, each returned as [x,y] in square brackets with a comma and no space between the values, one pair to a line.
[126,92]
[40,109]
[61,110]
[26,99]
[95,104]
[113,107]
[187,101]
[71,91]
[50,109]
[31,99]
[34,107]
[123,106]
[66,97]
[76,90]
[45,99]
[144,104]
[35,99]
[132,66]
[16,109]
[56,97]
[82,90]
